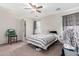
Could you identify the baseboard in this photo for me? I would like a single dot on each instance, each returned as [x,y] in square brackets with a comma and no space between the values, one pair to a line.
[7,43]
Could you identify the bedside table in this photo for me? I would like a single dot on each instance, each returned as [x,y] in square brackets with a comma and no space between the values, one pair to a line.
[12,39]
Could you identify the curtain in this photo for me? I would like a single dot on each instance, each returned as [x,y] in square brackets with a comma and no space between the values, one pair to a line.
[24,28]
[34,27]
[71,22]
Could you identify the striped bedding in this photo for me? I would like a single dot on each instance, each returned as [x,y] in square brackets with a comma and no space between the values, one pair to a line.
[42,39]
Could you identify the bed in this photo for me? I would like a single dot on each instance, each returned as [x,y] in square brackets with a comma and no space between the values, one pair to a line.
[42,40]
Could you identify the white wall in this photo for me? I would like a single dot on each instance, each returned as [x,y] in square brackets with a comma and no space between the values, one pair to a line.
[54,22]
[8,20]
[51,23]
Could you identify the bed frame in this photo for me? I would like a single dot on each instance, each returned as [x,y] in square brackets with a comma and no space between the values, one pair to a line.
[40,46]
[43,47]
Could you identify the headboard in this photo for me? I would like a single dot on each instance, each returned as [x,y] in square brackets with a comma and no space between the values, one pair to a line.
[53,32]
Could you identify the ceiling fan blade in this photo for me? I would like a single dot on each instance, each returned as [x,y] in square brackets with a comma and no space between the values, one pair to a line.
[33,6]
[39,7]
[38,11]
[30,4]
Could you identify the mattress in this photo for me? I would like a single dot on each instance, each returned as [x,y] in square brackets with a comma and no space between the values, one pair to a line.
[42,40]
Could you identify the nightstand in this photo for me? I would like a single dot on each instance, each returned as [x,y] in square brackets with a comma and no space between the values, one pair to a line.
[12,39]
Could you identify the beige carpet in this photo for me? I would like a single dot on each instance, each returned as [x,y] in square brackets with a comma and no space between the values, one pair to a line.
[23,49]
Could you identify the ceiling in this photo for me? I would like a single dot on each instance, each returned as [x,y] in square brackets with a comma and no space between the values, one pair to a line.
[48,8]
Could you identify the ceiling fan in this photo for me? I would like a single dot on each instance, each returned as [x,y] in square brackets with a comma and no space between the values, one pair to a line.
[34,8]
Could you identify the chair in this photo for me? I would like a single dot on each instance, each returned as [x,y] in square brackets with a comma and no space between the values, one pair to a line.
[11,34]
[70,47]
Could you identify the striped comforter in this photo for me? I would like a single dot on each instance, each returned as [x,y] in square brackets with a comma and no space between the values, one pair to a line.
[42,39]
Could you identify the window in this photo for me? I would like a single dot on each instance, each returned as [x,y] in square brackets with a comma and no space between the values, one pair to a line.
[71,20]
[38,27]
